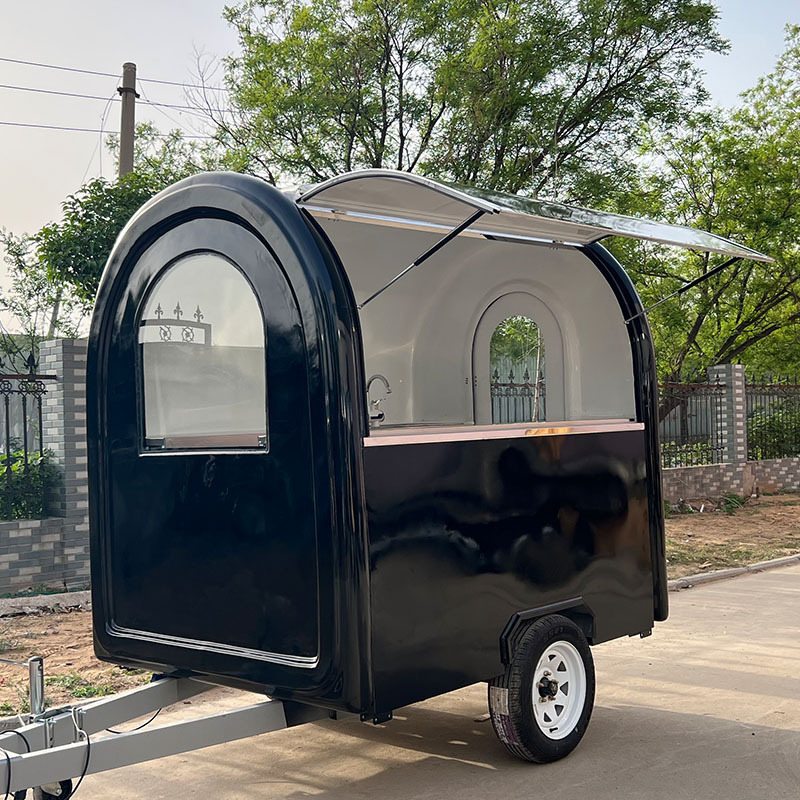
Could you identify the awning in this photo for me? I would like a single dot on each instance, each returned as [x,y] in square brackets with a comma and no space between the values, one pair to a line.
[392,198]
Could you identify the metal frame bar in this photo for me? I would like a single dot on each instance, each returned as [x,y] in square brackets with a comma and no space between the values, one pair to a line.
[449,236]
[710,274]
[58,738]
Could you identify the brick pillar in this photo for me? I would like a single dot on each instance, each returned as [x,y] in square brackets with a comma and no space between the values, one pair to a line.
[734,411]
[64,422]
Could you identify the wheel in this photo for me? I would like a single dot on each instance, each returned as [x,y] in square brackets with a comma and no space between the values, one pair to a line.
[541,706]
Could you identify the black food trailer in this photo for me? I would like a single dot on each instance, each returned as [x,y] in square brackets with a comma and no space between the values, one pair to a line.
[301,483]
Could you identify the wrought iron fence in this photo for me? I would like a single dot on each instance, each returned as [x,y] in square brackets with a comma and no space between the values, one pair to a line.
[691,424]
[514,401]
[773,417]
[27,474]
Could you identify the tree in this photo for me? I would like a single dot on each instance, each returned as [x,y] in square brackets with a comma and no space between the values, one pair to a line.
[516,338]
[512,95]
[75,249]
[734,174]
[34,306]
[67,257]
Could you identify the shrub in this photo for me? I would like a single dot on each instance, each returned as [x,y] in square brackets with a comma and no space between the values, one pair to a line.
[732,502]
[24,492]
[774,432]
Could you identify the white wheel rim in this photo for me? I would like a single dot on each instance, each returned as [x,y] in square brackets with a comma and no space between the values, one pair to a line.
[561,675]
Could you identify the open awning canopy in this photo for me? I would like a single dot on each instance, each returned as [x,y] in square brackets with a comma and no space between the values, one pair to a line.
[401,198]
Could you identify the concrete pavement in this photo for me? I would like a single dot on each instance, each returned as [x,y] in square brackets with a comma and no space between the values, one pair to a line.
[708,707]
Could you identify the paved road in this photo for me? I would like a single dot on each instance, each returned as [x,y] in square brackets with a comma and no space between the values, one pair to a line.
[708,707]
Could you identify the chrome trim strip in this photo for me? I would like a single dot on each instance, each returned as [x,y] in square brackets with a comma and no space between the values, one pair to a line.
[473,433]
[318,212]
[306,662]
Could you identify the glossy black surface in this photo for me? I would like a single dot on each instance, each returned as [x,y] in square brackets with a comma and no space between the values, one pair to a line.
[196,536]
[646,394]
[257,568]
[463,535]
[232,564]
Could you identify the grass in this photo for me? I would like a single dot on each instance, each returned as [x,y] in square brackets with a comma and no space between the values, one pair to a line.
[78,686]
[687,558]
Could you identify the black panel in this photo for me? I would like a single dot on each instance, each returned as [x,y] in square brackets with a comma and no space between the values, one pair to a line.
[245,567]
[463,535]
[646,393]
[218,548]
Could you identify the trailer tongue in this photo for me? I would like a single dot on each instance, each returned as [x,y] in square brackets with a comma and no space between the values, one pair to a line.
[78,741]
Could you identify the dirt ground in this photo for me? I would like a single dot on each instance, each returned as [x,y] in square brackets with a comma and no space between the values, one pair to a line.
[763,528]
[72,672]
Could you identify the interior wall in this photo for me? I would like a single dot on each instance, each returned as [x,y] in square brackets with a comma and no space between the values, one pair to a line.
[420,333]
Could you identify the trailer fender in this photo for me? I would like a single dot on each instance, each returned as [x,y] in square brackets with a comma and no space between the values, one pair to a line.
[575,609]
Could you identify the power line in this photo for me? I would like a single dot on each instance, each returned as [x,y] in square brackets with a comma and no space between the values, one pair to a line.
[100,97]
[111,74]
[53,66]
[98,145]
[168,116]
[53,91]
[90,130]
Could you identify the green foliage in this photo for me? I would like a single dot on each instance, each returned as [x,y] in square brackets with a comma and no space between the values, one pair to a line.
[515,338]
[774,432]
[512,96]
[159,159]
[687,454]
[24,492]
[75,249]
[732,502]
[733,174]
[35,305]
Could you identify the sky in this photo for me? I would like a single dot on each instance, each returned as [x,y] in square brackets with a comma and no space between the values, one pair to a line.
[38,168]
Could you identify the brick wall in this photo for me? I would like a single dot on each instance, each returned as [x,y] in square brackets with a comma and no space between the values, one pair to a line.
[54,552]
[737,475]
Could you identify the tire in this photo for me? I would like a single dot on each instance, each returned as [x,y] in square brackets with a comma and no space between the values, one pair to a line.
[537,714]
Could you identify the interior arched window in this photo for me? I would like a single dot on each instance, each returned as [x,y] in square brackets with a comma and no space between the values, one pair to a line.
[203,360]
[517,358]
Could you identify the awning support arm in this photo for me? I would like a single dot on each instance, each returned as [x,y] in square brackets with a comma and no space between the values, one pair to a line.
[427,254]
[686,288]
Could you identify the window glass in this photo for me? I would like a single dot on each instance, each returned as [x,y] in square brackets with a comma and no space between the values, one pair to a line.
[203,358]
[516,357]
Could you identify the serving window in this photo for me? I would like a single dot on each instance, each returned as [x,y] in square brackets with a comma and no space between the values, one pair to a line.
[202,358]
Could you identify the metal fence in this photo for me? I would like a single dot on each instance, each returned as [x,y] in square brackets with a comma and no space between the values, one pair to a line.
[27,474]
[691,424]
[518,398]
[773,417]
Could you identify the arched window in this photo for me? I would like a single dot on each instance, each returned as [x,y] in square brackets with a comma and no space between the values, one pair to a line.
[203,365]
[516,362]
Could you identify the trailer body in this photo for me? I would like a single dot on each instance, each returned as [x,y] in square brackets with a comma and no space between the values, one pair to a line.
[254,523]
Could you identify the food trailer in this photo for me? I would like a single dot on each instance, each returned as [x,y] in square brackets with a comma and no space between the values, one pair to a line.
[299,483]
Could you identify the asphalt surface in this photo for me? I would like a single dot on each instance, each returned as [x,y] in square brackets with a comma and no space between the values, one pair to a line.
[708,707]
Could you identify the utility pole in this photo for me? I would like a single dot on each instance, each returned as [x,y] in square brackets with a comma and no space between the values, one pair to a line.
[128,119]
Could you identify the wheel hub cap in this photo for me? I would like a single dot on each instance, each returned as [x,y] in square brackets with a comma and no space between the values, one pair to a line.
[548,689]
[559,690]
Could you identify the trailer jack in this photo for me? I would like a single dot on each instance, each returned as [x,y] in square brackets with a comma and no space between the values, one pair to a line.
[58,745]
